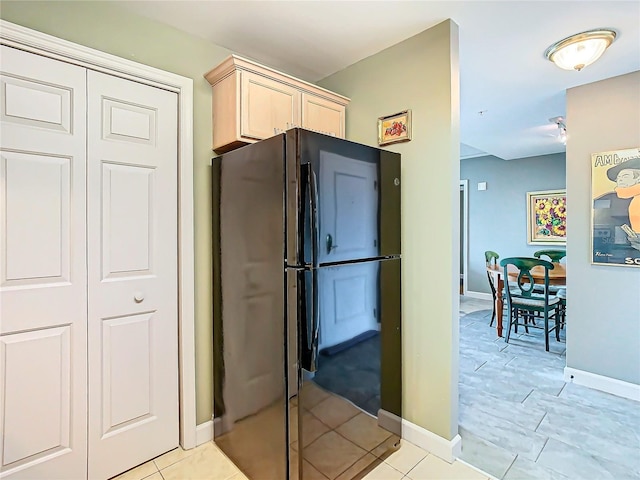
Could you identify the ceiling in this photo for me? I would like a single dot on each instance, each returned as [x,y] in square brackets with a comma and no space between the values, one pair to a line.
[508,89]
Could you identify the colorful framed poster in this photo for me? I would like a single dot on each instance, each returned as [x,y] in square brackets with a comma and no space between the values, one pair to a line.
[615,218]
[394,128]
[547,217]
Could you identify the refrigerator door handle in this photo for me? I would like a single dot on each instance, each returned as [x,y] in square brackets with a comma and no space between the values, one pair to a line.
[315,317]
[308,309]
[313,206]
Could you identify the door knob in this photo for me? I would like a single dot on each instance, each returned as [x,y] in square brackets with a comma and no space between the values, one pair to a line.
[330,245]
[138,297]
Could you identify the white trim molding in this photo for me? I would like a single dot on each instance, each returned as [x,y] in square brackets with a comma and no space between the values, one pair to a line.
[464,220]
[602,383]
[390,422]
[481,472]
[204,433]
[479,295]
[447,450]
[36,42]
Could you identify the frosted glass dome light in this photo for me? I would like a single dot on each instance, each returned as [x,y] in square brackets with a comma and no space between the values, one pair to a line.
[578,51]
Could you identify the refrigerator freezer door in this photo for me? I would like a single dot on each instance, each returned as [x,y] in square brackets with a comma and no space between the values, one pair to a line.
[348,205]
[357,198]
[343,198]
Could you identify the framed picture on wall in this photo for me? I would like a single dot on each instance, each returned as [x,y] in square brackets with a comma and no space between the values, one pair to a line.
[547,217]
[615,208]
[394,128]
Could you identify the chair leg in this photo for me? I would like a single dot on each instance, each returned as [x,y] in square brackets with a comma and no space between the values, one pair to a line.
[546,331]
[506,338]
[493,315]
[558,322]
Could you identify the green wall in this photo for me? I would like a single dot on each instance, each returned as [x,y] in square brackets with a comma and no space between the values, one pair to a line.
[421,74]
[104,26]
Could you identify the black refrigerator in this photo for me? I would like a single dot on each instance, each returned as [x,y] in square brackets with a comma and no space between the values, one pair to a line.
[307,305]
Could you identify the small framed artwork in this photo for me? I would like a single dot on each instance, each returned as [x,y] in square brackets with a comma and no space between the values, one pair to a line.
[394,128]
[547,217]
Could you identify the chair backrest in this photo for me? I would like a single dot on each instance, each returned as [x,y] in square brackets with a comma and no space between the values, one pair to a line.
[491,258]
[524,285]
[554,255]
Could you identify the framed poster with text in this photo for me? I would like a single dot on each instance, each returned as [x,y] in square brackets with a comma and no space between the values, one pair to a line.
[615,210]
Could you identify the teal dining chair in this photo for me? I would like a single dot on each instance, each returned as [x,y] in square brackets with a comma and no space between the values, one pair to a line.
[523,303]
[553,255]
[491,258]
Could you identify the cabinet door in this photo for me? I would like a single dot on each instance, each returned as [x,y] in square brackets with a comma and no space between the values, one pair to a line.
[322,115]
[267,105]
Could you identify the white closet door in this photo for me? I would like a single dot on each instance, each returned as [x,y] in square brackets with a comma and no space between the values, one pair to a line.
[43,290]
[132,266]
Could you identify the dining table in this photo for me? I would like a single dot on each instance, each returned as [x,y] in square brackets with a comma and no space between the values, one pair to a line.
[557,276]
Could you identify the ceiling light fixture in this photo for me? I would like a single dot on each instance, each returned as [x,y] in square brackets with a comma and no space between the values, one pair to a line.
[579,50]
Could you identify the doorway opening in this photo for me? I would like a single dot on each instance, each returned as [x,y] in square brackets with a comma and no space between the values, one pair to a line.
[464,236]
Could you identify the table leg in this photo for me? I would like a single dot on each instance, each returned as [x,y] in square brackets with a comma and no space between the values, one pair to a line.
[499,306]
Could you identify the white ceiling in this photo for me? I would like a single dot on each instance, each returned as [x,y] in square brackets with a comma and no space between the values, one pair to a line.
[503,72]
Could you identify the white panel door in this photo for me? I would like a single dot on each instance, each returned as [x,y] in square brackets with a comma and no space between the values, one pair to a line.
[132,273]
[348,302]
[348,231]
[43,290]
[348,208]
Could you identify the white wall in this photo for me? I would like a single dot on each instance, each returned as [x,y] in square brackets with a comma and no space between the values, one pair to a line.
[603,331]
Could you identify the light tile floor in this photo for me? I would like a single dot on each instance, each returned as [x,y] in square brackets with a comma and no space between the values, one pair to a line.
[344,443]
[207,462]
[518,419]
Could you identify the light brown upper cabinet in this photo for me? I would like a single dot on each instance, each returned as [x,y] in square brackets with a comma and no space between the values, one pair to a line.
[252,102]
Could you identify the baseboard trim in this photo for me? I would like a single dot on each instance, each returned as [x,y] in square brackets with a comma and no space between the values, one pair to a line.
[204,432]
[447,450]
[390,422]
[479,295]
[481,472]
[602,383]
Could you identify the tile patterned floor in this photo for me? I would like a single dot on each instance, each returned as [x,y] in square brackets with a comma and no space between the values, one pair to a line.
[352,447]
[518,419]
[207,462]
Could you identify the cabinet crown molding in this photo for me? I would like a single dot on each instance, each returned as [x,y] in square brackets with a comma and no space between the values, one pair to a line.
[235,62]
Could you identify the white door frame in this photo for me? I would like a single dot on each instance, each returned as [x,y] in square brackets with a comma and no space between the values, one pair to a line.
[464,188]
[33,41]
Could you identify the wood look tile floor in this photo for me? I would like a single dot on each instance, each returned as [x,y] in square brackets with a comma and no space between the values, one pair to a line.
[529,426]
[519,420]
